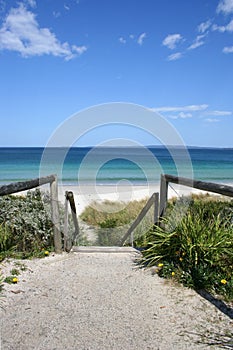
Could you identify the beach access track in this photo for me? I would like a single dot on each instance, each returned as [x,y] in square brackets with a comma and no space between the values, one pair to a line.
[104,301]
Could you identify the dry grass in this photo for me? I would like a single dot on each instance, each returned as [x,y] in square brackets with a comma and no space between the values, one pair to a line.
[119,213]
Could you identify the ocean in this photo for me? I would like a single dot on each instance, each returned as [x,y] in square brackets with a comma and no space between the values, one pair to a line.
[114,165]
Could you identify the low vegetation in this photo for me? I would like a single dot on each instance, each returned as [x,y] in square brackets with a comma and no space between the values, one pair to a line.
[195,249]
[116,213]
[25,225]
[112,219]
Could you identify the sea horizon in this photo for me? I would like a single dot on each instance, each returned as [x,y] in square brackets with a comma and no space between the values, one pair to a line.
[119,146]
[116,165]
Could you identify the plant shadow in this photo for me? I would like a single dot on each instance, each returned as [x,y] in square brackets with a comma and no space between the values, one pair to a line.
[222,341]
[219,304]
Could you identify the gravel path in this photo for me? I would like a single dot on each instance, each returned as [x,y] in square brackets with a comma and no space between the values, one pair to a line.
[82,301]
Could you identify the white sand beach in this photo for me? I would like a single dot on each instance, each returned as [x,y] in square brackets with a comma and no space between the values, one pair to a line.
[86,194]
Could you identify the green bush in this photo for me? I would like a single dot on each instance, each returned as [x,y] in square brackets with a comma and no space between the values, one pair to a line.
[196,249]
[25,224]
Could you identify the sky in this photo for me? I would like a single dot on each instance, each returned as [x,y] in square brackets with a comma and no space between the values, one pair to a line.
[59,57]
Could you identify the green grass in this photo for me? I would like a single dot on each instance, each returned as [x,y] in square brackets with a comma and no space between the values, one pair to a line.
[195,249]
[13,278]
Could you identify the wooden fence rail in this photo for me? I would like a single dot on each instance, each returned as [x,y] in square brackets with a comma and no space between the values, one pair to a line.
[200,185]
[153,200]
[28,185]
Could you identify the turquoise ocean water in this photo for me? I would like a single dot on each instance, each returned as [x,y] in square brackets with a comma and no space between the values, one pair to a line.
[108,166]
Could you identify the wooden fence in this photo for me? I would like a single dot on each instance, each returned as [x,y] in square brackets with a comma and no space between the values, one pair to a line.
[200,185]
[69,239]
[160,200]
[153,201]
[28,185]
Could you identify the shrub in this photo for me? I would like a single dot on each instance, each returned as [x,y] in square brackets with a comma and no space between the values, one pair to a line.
[25,224]
[198,248]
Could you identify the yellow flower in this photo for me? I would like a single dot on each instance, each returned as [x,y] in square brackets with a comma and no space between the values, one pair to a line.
[46,252]
[181,259]
[173,273]
[15,280]
[223,281]
[160,265]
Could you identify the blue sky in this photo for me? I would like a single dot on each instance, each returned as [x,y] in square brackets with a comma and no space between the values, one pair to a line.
[58,57]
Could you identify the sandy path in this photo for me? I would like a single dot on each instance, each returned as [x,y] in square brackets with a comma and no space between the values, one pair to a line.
[103,301]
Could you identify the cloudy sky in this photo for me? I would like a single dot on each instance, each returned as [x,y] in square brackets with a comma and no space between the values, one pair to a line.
[58,57]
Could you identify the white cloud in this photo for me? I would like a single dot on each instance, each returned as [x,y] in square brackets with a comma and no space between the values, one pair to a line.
[138,40]
[228,49]
[172,40]
[189,108]
[21,32]
[197,42]
[218,113]
[31,3]
[174,56]
[212,120]
[229,27]
[222,29]
[66,7]
[183,115]
[56,14]
[202,28]
[190,111]
[122,40]
[225,6]
[141,38]
[79,49]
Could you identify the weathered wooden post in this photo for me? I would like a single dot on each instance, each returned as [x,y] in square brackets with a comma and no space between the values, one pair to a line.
[163,195]
[156,208]
[55,216]
[70,198]
[66,221]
